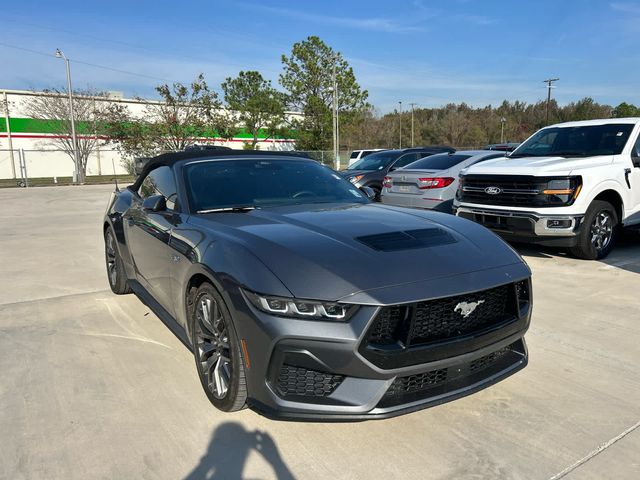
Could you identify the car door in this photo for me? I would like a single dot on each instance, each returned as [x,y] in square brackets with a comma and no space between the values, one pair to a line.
[634,180]
[148,234]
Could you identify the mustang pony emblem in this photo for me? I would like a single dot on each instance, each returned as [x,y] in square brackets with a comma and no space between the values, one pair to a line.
[467,308]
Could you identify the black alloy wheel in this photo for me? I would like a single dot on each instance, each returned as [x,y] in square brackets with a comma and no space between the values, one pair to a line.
[216,349]
[598,232]
[115,268]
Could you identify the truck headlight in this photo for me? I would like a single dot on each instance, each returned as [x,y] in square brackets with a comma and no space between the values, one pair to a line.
[563,190]
[298,308]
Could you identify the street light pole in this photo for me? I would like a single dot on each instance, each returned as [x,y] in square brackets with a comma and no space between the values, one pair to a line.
[336,121]
[412,105]
[502,121]
[400,119]
[74,140]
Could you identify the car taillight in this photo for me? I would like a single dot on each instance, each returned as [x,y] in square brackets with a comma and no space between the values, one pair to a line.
[387,182]
[434,182]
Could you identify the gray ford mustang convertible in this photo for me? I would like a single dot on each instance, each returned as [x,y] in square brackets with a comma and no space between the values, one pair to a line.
[302,299]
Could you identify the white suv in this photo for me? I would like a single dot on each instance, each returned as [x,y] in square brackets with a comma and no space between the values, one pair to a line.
[569,185]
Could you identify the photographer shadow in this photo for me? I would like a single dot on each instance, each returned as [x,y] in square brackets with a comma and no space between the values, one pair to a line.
[229,450]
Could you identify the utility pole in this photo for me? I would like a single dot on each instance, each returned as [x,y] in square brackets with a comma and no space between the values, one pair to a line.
[502,121]
[74,140]
[400,119]
[412,105]
[549,83]
[336,123]
[7,119]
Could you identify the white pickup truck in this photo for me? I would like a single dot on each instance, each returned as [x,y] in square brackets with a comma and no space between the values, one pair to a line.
[569,185]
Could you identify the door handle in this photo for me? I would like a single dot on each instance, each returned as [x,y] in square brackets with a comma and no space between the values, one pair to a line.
[627,172]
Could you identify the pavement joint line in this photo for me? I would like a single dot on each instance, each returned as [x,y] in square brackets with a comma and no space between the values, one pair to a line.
[10,304]
[601,448]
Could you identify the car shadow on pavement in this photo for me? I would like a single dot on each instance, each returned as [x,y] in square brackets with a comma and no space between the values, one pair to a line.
[229,450]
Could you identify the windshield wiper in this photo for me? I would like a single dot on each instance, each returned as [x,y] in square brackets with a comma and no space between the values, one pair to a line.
[567,154]
[235,208]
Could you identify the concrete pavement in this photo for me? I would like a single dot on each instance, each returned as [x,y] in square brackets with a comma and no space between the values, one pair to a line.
[95,386]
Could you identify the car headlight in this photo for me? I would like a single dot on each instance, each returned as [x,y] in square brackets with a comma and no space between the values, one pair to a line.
[355,179]
[297,308]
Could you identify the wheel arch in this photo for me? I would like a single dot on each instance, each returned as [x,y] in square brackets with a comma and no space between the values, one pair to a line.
[615,199]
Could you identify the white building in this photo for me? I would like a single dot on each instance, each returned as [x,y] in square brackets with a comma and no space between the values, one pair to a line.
[25,138]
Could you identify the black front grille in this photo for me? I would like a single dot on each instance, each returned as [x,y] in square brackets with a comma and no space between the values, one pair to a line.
[444,318]
[514,191]
[421,332]
[449,317]
[298,381]
[435,382]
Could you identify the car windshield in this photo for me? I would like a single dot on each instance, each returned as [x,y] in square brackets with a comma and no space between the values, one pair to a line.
[442,161]
[245,184]
[583,141]
[375,161]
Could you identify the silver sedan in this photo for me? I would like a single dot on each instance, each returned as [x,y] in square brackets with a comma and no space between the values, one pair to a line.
[431,182]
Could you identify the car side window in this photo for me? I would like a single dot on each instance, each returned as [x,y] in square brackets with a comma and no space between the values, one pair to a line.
[636,148]
[160,181]
[405,159]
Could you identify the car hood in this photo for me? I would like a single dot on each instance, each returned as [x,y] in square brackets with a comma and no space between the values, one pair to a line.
[538,166]
[331,251]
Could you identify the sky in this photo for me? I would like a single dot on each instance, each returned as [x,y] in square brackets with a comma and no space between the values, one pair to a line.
[429,52]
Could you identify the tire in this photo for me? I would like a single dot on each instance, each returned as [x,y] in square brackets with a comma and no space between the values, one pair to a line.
[115,268]
[216,350]
[598,233]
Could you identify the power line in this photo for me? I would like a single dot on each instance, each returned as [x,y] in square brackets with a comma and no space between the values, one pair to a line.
[95,65]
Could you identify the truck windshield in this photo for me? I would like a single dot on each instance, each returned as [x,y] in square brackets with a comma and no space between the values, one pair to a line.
[581,141]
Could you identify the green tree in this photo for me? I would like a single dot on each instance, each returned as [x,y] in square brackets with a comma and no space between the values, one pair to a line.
[308,79]
[182,115]
[626,110]
[256,104]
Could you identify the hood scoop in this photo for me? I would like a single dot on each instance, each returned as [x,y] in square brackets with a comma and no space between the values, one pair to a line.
[407,240]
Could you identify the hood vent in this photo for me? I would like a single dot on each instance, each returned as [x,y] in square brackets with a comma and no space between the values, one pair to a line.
[410,239]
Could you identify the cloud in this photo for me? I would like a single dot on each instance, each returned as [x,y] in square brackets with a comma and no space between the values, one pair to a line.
[388,25]
[626,7]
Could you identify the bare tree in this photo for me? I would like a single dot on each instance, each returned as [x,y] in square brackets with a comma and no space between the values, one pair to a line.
[93,113]
[183,114]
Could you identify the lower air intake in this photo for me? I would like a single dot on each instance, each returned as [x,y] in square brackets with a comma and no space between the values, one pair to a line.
[302,382]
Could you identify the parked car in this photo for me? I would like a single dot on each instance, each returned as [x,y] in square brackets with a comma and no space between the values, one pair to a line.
[503,147]
[569,185]
[371,170]
[268,267]
[358,154]
[431,182]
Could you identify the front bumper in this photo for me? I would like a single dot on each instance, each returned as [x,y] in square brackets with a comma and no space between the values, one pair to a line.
[319,370]
[524,226]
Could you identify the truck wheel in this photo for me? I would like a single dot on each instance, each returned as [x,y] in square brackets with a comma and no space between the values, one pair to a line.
[598,232]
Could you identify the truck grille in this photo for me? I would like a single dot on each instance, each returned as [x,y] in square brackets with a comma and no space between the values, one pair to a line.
[513,191]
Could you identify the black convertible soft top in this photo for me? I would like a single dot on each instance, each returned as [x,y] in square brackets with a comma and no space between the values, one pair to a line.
[173,157]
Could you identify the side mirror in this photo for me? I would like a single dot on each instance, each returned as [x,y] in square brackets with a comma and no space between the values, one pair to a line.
[369,192]
[155,203]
